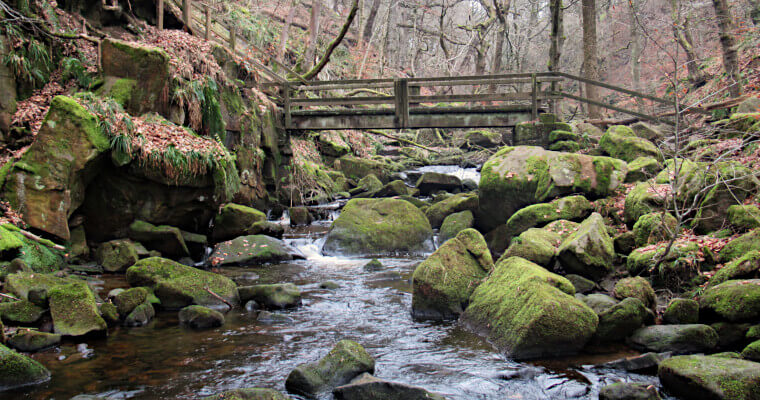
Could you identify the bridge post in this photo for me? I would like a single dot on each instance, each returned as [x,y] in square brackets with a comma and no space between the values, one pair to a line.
[401,93]
[186,14]
[208,22]
[160,14]
[233,37]
[534,97]
[286,104]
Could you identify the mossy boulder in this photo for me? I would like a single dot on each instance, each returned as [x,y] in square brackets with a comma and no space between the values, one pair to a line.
[48,183]
[457,203]
[357,168]
[516,177]
[741,246]
[644,198]
[374,265]
[529,312]
[482,138]
[562,136]
[581,284]
[249,394]
[116,255]
[367,186]
[752,351]
[642,169]
[33,287]
[536,245]
[272,296]
[589,251]
[744,267]
[431,182]
[20,312]
[128,300]
[731,335]
[744,217]
[654,228]
[344,362]
[140,316]
[636,287]
[235,220]
[178,286]
[621,142]
[109,313]
[681,311]
[455,223]
[378,226]
[677,265]
[565,146]
[572,208]
[599,302]
[199,317]
[149,66]
[366,386]
[331,144]
[617,322]
[733,300]
[753,333]
[17,370]
[299,216]
[252,250]
[443,283]
[629,391]
[648,132]
[28,340]
[38,256]
[74,310]
[690,338]
[166,239]
[393,189]
[708,377]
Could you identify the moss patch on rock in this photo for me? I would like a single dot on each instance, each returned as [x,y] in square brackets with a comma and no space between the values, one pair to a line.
[589,251]
[733,300]
[620,142]
[74,310]
[17,370]
[253,250]
[344,362]
[457,203]
[654,228]
[697,377]
[235,220]
[636,287]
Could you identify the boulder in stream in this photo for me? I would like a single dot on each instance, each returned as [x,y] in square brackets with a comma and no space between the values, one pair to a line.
[438,212]
[74,310]
[629,391]
[116,255]
[199,317]
[734,300]
[249,394]
[253,250]
[431,182]
[17,370]
[366,386]
[589,251]
[29,340]
[689,338]
[343,363]
[707,377]
[166,239]
[235,220]
[272,296]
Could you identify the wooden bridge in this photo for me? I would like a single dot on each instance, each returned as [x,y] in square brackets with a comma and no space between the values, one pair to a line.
[412,103]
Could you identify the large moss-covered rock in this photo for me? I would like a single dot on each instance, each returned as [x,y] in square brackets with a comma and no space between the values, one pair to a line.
[20,312]
[707,377]
[572,208]
[529,312]
[253,250]
[647,131]
[18,370]
[116,255]
[621,142]
[676,338]
[752,351]
[272,296]
[589,251]
[636,287]
[443,283]
[367,186]
[744,217]
[617,322]
[74,310]
[199,317]
[178,286]
[379,226]
[681,311]
[678,265]
[455,223]
[733,300]
[140,316]
[344,362]
[481,138]
[40,256]
[30,341]
[235,220]
[431,182]
[366,386]
[248,394]
[744,267]
[460,202]
[48,183]
[516,177]
[654,228]
[148,66]
[357,168]
[33,287]
[166,239]
[629,391]
[741,246]
[536,245]
[643,199]
[642,169]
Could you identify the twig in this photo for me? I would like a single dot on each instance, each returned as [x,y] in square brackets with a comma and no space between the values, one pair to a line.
[7,296]
[38,239]
[219,297]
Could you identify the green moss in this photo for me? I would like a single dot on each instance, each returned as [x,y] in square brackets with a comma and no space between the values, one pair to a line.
[536,245]
[344,362]
[128,300]
[642,169]
[752,351]
[744,267]
[734,300]
[235,220]
[741,246]
[636,287]
[589,251]
[617,322]
[537,215]
[74,310]
[681,311]
[620,142]
[272,296]
[754,332]
[455,223]
[654,228]
[565,146]
[109,313]
[744,217]
[29,340]
[710,377]
[440,210]
[20,312]
[643,199]
[443,283]
[122,90]
[19,370]
[559,136]
[9,243]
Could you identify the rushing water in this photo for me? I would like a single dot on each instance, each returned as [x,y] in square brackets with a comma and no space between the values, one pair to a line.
[164,361]
[455,170]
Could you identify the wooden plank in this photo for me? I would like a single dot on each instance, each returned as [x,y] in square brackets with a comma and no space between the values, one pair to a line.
[618,109]
[469,98]
[160,14]
[343,101]
[483,81]
[616,88]
[208,23]
[401,92]
[416,121]
[514,108]
[534,97]
[348,86]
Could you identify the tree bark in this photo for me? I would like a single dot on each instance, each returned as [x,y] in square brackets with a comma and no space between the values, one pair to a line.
[729,47]
[334,44]
[635,45]
[286,30]
[556,36]
[311,46]
[590,58]
[682,33]
[371,20]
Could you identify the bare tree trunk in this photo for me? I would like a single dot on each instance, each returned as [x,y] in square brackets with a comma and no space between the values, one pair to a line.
[590,58]
[286,30]
[728,44]
[556,36]
[635,45]
[311,45]
[754,11]
[371,20]
[682,33]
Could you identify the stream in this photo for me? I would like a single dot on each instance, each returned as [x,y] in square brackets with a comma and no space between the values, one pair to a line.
[165,361]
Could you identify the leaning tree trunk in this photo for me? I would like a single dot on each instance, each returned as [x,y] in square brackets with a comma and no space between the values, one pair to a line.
[286,30]
[729,47]
[311,46]
[590,59]
[371,20]
[334,44]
